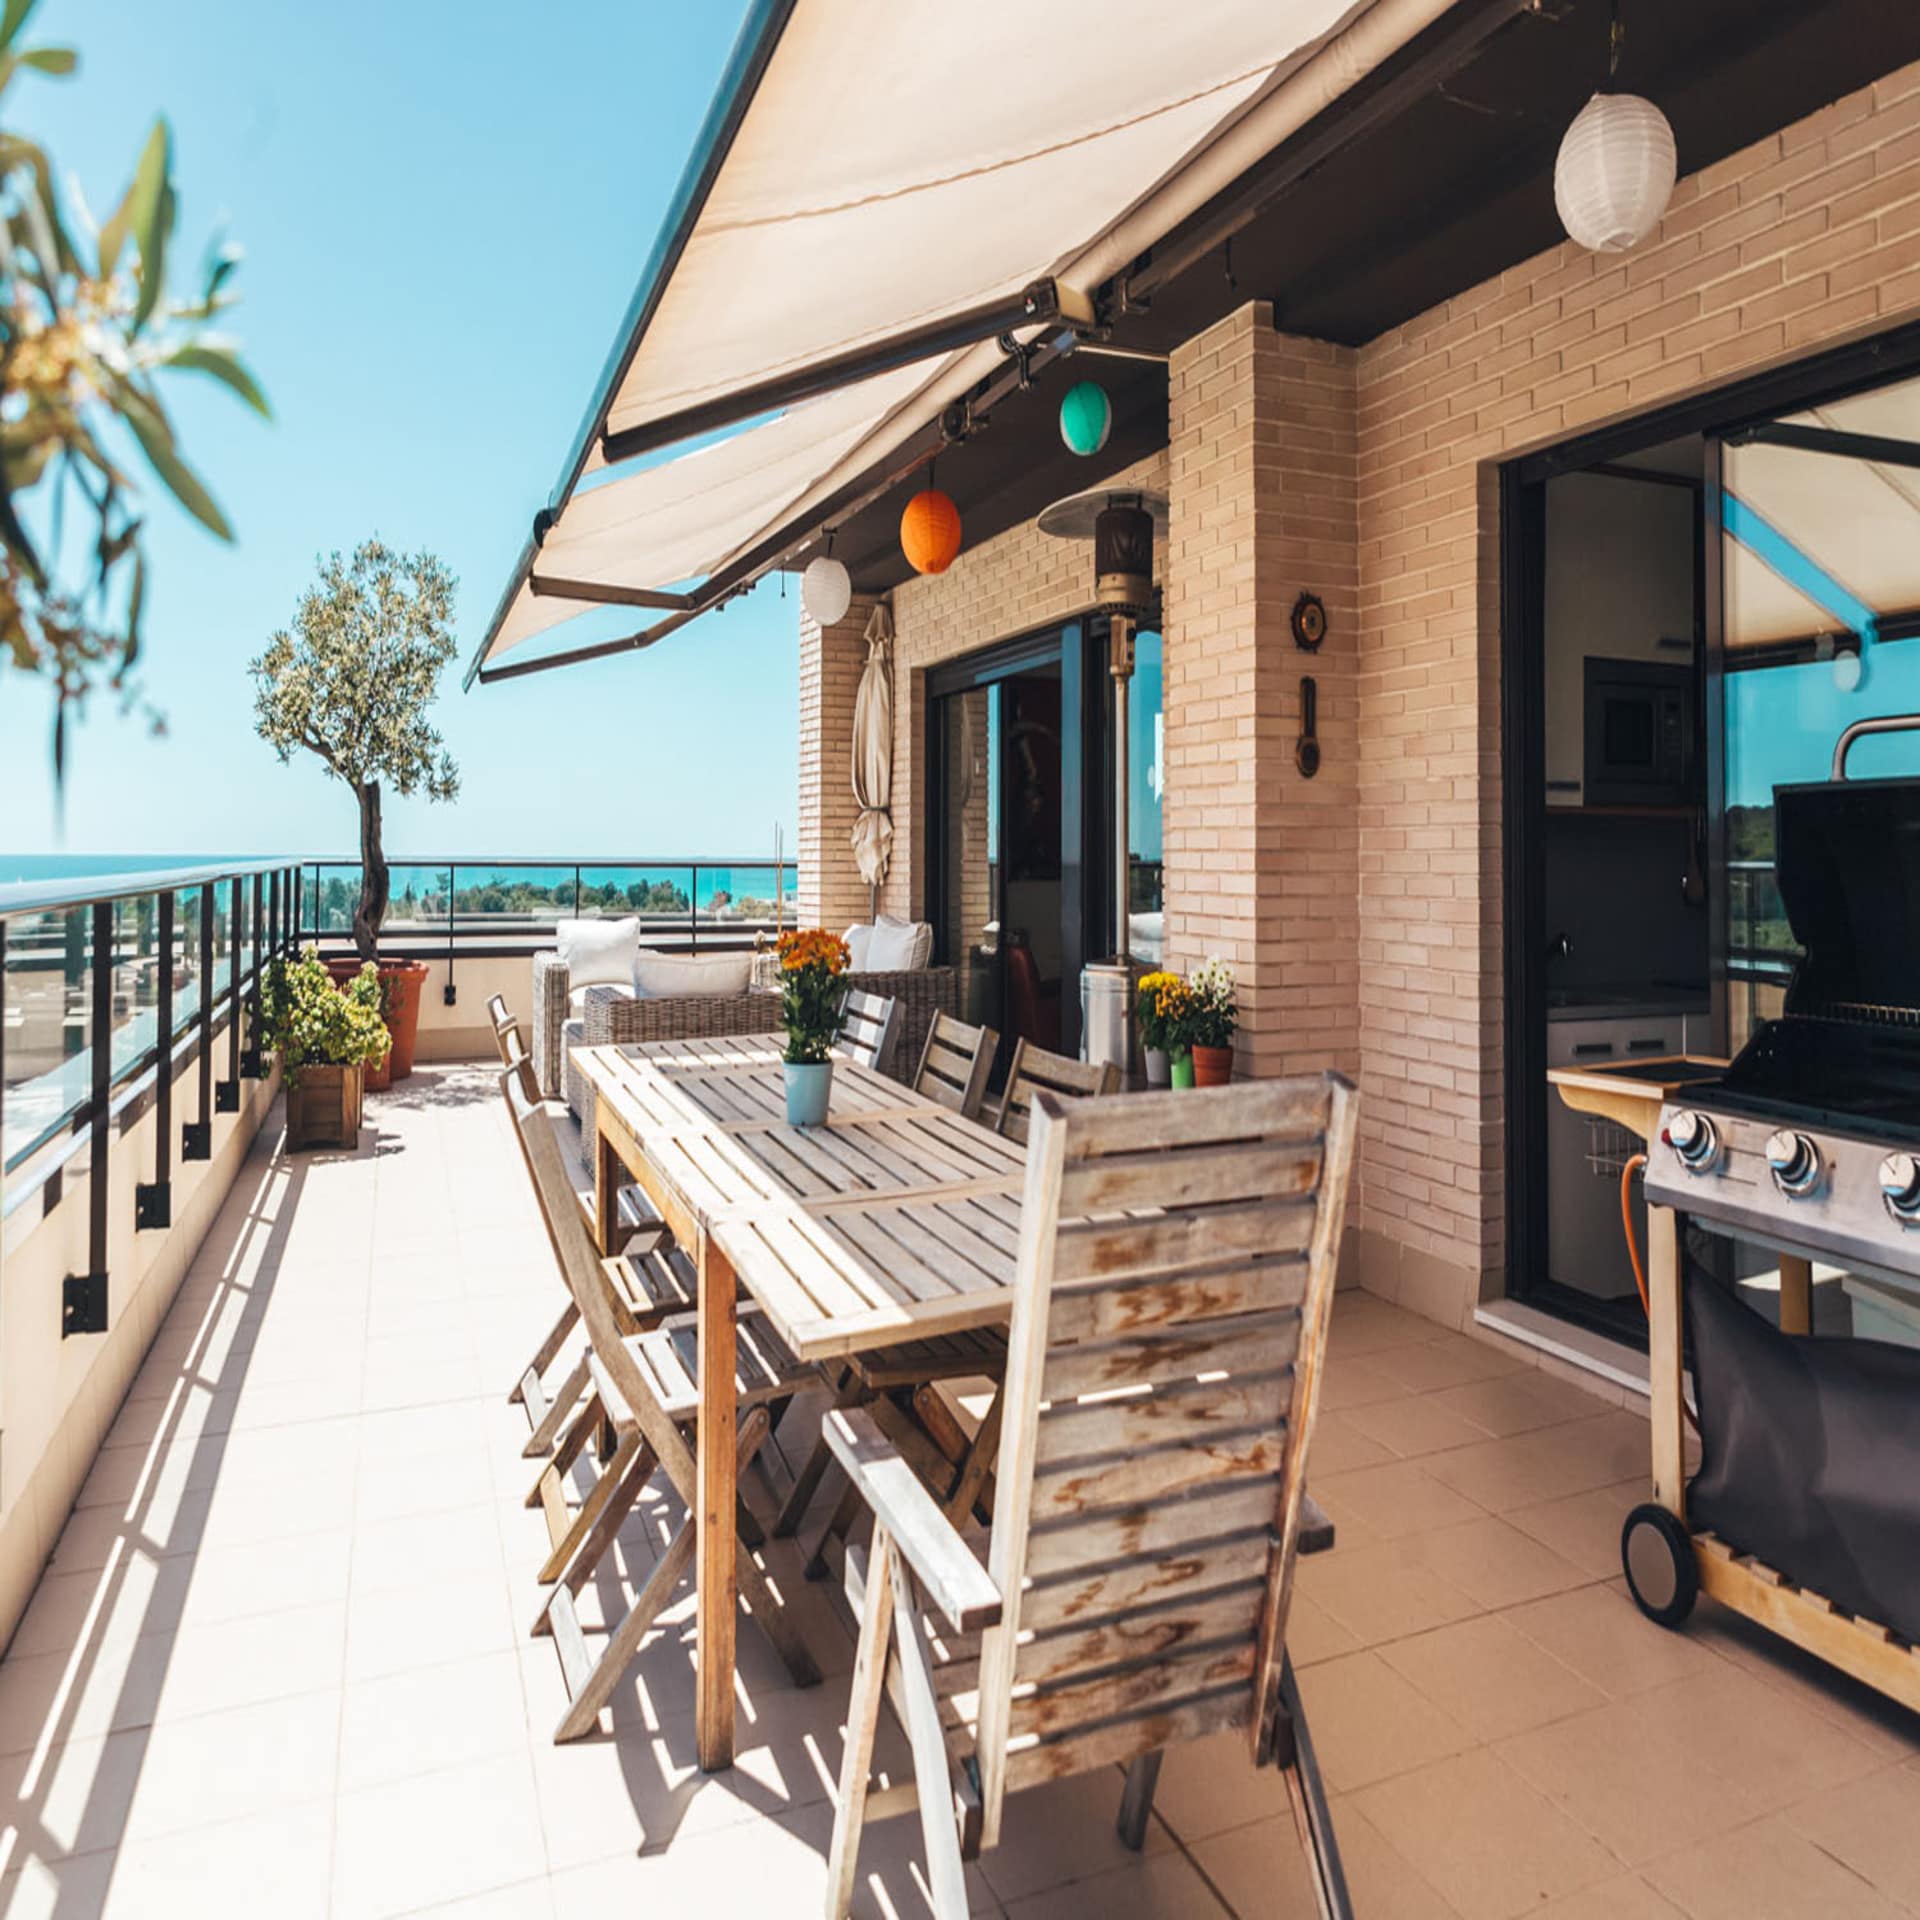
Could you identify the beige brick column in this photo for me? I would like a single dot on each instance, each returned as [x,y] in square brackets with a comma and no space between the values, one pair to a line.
[1261,862]
[831,892]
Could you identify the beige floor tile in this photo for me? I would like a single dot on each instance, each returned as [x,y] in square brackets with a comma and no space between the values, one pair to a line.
[1363,1323]
[1381,1592]
[1496,1564]
[1871,1826]
[1167,1888]
[1369,1722]
[1629,1783]
[1399,1498]
[1410,1427]
[1452,1360]
[425,1718]
[1490,1678]
[1339,1446]
[460,1544]
[1354,1382]
[1210,1786]
[1379,1880]
[271,1863]
[1759,1737]
[1519,1402]
[1314,1634]
[1604,1637]
[1764,1870]
[269,1656]
[1483,1838]
[1262,1874]
[436,1837]
[527,1900]
[401,1627]
[71,1799]
[1628,1898]
[1584,1527]
[1062,1831]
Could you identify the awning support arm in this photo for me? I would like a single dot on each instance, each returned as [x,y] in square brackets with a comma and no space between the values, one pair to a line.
[1874,447]
[603,593]
[1046,303]
[959,421]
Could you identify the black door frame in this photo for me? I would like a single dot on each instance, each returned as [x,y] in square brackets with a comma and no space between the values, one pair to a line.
[1714,414]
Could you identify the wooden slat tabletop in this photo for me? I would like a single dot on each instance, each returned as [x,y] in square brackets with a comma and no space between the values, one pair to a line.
[896,1220]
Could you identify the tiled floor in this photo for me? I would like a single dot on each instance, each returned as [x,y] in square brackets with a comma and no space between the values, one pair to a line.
[279,1665]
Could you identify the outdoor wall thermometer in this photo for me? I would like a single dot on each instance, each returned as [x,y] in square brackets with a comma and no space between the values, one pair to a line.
[1309,622]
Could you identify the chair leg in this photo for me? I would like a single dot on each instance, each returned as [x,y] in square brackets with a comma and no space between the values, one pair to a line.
[592,1548]
[595,1683]
[555,1417]
[543,1354]
[850,1508]
[588,1513]
[932,1771]
[863,1721]
[1311,1814]
[1136,1801]
[793,1508]
[976,1471]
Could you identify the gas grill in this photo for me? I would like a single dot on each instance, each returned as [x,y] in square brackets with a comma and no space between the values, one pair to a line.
[1805,1512]
[1810,1142]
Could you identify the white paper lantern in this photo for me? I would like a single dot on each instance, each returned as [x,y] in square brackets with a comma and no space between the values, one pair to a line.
[1615,172]
[826,591]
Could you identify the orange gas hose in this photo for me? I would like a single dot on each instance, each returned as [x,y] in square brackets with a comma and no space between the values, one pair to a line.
[1635,1164]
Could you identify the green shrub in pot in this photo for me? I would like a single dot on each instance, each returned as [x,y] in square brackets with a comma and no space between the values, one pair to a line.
[326,1036]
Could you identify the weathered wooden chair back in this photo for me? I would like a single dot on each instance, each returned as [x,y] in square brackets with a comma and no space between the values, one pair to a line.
[872,1029]
[573,1248]
[517,1063]
[954,1064]
[1176,1271]
[505,1026]
[1035,1070]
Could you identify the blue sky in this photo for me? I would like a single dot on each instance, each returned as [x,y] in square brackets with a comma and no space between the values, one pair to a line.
[445,205]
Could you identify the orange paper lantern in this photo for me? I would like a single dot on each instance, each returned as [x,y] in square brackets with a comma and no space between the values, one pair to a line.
[930,532]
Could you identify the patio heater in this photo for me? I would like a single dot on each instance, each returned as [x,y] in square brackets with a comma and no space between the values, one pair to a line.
[1122,523]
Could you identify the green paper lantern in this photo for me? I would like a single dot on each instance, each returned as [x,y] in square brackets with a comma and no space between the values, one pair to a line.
[1086,417]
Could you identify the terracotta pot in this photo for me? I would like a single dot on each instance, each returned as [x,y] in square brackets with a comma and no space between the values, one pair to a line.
[400,984]
[323,1108]
[1212,1066]
[1180,1069]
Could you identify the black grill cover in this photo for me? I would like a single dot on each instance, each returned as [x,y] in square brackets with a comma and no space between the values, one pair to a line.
[1810,1456]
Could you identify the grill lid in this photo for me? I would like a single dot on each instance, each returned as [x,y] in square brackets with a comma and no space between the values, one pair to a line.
[1849,871]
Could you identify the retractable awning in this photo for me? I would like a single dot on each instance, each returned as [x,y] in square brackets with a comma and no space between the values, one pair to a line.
[887,197]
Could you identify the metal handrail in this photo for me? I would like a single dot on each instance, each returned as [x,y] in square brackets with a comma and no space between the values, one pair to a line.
[33,896]
[1886,723]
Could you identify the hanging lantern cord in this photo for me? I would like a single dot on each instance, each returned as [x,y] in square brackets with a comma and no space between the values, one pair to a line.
[1614,39]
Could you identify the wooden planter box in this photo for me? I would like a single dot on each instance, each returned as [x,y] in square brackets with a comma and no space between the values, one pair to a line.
[324,1109]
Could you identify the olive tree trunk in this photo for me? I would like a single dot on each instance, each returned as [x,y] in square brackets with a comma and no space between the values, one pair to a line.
[375,887]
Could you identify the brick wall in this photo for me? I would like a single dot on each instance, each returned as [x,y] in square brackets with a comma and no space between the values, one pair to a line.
[830,890]
[1261,860]
[1807,238]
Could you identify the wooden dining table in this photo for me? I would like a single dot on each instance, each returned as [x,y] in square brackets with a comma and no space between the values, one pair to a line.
[897,1220]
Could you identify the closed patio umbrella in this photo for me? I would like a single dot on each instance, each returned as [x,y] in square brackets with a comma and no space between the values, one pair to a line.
[873,756]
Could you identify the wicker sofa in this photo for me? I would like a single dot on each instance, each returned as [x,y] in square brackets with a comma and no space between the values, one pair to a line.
[612,1016]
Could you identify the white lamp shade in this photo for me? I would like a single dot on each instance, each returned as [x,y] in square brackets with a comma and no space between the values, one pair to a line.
[1615,172]
[826,591]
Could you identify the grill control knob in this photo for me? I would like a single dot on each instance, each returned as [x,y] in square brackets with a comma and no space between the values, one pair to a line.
[1694,1138]
[1795,1163]
[1900,1185]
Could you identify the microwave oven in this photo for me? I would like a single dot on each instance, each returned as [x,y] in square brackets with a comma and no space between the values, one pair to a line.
[1639,734]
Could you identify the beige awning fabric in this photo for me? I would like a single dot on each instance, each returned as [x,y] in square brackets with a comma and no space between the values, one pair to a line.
[876,166]
[873,752]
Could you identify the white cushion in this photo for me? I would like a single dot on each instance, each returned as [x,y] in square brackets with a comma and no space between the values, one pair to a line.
[857,937]
[897,947]
[599,953]
[675,976]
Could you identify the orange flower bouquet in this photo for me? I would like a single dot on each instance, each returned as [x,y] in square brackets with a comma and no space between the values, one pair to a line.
[813,992]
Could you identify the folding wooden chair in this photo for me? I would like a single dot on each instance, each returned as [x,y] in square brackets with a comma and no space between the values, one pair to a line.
[645,1386]
[871,1034]
[1033,1069]
[649,1279]
[504,1024]
[954,1064]
[1175,1279]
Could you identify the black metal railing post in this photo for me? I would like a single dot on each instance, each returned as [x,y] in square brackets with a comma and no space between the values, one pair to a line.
[693,909]
[83,1296]
[250,1060]
[196,1137]
[227,1094]
[153,1205]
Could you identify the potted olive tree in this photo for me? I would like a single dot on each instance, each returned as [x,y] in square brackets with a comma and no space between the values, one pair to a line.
[327,1036]
[350,682]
